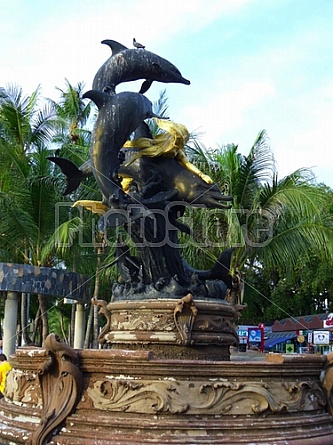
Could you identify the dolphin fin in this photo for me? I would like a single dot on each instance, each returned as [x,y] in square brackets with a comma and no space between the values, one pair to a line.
[73,174]
[151,115]
[98,97]
[116,47]
[145,86]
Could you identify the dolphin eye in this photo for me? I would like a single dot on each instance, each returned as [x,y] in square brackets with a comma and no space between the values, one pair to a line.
[156,67]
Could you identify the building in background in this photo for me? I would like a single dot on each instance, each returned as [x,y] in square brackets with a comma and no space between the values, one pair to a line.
[304,334]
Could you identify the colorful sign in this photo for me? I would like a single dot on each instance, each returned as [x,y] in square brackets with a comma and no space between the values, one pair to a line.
[300,338]
[328,323]
[290,348]
[255,335]
[321,337]
[310,337]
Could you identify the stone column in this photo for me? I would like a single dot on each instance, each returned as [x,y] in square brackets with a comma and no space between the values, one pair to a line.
[9,324]
[79,326]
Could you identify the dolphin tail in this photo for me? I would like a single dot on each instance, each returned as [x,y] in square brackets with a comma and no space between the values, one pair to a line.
[98,97]
[73,174]
[221,269]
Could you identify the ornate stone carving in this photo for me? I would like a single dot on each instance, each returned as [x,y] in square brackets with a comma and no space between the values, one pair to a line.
[21,388]
[142,322]
[184,316]
[102,304]
[181,323]
[198,397]
[60,382]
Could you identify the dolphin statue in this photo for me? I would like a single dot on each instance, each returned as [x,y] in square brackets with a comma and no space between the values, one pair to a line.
[187,186]
[118,116]
[126,65]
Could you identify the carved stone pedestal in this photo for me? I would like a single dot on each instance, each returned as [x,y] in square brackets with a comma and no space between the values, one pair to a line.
[172,328]
[168,379]
[131,397]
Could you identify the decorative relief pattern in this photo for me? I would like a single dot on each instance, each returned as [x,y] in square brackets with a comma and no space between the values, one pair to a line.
[22,388]
[215,323]
[183,322]
[211,398]
[184,316]
[131,321]
[60,381]
[102,304]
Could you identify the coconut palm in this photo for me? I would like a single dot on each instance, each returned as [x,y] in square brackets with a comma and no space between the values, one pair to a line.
[27,193]
[273,222]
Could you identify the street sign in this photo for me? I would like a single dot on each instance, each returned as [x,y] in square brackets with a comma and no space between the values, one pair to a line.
[289,348]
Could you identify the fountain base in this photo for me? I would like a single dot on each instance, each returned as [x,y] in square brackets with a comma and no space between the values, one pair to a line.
[133,397]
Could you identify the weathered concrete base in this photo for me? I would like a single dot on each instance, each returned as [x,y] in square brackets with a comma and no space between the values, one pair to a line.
[134,397]
[183,328]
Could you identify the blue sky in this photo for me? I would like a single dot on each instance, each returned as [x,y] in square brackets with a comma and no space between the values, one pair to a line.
[253,64]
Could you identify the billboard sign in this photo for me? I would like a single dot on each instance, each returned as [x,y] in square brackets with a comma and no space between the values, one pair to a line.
[321,337]
[328,323]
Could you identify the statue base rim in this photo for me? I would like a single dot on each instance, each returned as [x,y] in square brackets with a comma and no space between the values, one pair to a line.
[171,328]
[131,397]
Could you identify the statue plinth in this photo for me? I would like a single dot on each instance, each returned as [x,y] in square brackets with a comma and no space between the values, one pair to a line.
[171,328]
[133,398]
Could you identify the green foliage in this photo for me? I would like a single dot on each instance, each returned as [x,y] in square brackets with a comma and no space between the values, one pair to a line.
[275,226]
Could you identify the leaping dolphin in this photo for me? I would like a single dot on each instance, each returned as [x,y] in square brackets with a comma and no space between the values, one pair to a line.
[118,116]
[126,65]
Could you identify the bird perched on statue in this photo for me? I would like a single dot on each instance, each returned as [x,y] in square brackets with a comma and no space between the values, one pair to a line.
[137,44]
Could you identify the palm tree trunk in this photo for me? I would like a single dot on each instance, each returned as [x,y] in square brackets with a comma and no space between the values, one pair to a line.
[62,327]
[72,325]
[95,297]
[24,319]
[89,327]
[43,316]
[36,324]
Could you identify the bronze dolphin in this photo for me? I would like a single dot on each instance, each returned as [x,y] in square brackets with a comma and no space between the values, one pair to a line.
[119,115]
[126,65]
[174,177]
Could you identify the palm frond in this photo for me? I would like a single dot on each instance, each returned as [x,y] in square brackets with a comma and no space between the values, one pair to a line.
[64,237]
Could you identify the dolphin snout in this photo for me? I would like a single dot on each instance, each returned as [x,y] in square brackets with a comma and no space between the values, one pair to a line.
[185,81]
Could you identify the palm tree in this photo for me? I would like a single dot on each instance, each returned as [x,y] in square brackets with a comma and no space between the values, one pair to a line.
[273,221]
[26,188]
